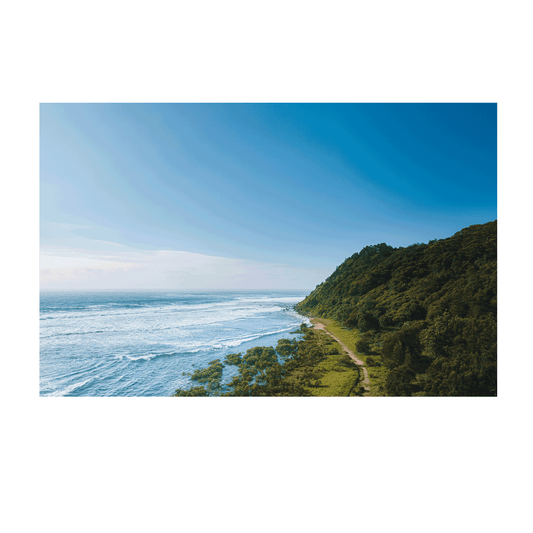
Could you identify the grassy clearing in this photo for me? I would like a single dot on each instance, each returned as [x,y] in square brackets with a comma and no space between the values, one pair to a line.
[341,377]
[337,375]
[377,374]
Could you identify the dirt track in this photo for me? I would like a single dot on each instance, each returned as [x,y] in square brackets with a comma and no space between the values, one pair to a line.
[366,380]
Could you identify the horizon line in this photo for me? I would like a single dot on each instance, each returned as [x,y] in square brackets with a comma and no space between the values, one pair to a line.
[176,289]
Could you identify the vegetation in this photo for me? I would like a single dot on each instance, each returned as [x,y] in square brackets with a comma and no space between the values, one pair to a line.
[312,366]
[377,372]
[423,317]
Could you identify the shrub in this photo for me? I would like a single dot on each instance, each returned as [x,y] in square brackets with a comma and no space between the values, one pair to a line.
[363,344]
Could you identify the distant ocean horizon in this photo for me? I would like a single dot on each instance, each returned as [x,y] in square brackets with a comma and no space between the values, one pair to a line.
[140,342]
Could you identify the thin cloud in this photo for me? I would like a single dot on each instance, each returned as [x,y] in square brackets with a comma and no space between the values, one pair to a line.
[63,268]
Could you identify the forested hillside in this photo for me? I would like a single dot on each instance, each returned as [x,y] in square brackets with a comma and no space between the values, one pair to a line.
[427,312]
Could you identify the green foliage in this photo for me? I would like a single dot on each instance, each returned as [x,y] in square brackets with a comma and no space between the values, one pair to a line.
[400,381]
[286,348]
[363,344]
[307,367]
[233,359]
[432,308]
[403,347]
[193,391]
[210,376]
[339,375]
[464,356]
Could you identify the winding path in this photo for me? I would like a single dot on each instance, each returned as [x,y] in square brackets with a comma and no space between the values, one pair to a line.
[366,380]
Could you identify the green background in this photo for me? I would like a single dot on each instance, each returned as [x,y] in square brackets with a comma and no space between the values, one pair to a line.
[262,474]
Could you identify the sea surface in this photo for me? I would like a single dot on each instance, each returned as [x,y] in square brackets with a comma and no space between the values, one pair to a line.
[139,343]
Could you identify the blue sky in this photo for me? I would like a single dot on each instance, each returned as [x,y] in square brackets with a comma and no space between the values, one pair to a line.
[252,195]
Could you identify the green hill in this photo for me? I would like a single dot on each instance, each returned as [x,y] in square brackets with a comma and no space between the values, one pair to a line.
[428,312]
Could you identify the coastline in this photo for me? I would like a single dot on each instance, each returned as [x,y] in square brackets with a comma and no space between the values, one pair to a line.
[318,364]
[139,343]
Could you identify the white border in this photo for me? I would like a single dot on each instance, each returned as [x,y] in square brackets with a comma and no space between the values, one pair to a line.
[30,96]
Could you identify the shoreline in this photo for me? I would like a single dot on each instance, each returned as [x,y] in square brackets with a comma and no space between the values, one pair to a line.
[318,364]
[124,344]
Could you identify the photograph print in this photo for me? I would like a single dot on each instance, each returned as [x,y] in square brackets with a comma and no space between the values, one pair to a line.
[212,249]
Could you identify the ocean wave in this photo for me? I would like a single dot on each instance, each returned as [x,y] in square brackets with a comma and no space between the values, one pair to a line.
[76,333]
[207,347]
[282,299]
[241,340]
[150,356]
[144,357]
[72,388]
[202,313]
[118,340]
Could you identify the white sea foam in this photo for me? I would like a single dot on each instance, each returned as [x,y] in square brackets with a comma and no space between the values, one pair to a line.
[151,342]
[72,388]
[143,357]
[283,299]
[150,356]
[249,338]
[217,344]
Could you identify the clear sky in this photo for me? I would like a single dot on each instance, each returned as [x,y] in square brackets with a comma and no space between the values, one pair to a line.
[251,195]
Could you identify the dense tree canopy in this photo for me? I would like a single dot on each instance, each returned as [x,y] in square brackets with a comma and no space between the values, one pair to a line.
[430,309]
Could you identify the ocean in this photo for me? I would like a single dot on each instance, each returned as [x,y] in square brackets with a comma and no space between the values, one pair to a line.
[139,343]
